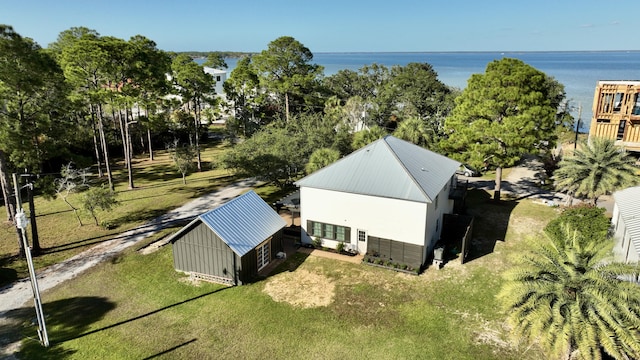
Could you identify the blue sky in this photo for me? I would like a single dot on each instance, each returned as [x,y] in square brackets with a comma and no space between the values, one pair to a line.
[341,26]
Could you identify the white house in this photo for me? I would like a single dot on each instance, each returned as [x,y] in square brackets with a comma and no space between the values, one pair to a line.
[220,76]
[386,199]
[626,224]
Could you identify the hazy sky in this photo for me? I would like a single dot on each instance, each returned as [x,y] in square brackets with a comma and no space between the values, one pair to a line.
[341,25]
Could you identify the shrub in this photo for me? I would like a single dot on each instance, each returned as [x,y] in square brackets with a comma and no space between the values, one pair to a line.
[340,247]
[317,243]
[589,220]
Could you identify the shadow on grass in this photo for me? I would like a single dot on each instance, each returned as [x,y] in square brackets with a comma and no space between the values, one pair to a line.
[80,335]
[77,244]
[8,275]
[65,319]
[491,219]
[170,349]
[138,216]
[292,263]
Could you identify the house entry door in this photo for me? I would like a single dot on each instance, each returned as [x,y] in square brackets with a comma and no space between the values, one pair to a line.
[361,243]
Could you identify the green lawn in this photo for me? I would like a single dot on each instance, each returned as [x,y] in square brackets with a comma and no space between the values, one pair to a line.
[138,307]
[158,189]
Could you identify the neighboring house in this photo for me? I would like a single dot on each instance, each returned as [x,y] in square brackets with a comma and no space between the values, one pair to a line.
[231,243]
[616,113]
[386,199]
[626,224]
[220,76]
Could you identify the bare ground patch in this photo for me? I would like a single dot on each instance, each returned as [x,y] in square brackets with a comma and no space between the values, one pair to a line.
[301,288]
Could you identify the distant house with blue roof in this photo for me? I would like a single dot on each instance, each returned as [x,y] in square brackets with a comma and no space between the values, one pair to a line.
[626,224]
[231,243]
[386,199]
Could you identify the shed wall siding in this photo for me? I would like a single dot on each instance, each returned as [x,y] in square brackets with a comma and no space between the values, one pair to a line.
[201,250]
[623,249]
[387,218]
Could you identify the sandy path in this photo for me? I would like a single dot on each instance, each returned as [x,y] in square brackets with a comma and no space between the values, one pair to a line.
[15,296]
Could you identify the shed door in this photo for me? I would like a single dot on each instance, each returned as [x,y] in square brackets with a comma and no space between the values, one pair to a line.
[264,254]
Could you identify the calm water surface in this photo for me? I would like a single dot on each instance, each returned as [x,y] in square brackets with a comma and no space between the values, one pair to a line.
[579,72]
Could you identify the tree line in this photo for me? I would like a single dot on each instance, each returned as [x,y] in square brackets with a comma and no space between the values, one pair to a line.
[88,96]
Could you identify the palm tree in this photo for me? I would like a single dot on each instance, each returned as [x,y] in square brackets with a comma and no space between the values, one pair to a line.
[564,296]
[414,130]
[321,158]
[595,169]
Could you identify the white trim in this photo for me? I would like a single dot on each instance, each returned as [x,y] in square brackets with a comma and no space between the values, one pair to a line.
[263,254]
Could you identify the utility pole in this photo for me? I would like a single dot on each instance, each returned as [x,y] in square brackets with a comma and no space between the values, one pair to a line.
[575,142]
[35,239]
[21,223]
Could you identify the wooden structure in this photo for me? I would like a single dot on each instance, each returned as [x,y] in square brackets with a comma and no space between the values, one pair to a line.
[231,243]
[616,113]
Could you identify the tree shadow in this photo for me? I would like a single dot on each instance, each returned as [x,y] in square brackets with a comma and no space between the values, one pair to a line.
[8,275]
[491,220]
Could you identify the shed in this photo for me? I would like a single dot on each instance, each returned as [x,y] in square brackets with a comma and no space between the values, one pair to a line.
[626,224]
[231,243]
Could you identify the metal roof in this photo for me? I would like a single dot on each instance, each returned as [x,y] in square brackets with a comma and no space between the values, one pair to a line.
[388,167]
[242,223]
[628,202]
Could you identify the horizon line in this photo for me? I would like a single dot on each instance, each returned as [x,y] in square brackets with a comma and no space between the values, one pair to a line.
[417,51]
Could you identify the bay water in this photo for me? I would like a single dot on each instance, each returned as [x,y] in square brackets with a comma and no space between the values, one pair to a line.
[578,71]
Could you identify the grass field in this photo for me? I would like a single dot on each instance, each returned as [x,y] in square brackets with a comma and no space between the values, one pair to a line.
[158,189]
[137,306]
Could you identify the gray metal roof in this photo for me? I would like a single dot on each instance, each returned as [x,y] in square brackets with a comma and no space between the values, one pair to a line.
[242,223]
[388,167]
[628,201]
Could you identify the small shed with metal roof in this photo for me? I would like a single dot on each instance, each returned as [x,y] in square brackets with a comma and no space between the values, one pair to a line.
[231,243]
[626,224]
[385,200]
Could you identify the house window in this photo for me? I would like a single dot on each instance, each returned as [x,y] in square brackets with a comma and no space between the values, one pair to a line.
[621,127]
[263,254]
[617,102]
[603,121]
[605,103]
[218,78]
[329,231]
[362,235]
[317,229]
[636,106]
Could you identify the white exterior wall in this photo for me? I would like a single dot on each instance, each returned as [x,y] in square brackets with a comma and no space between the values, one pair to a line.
[434,220]
[393,219]
[623,250]
[220,76]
